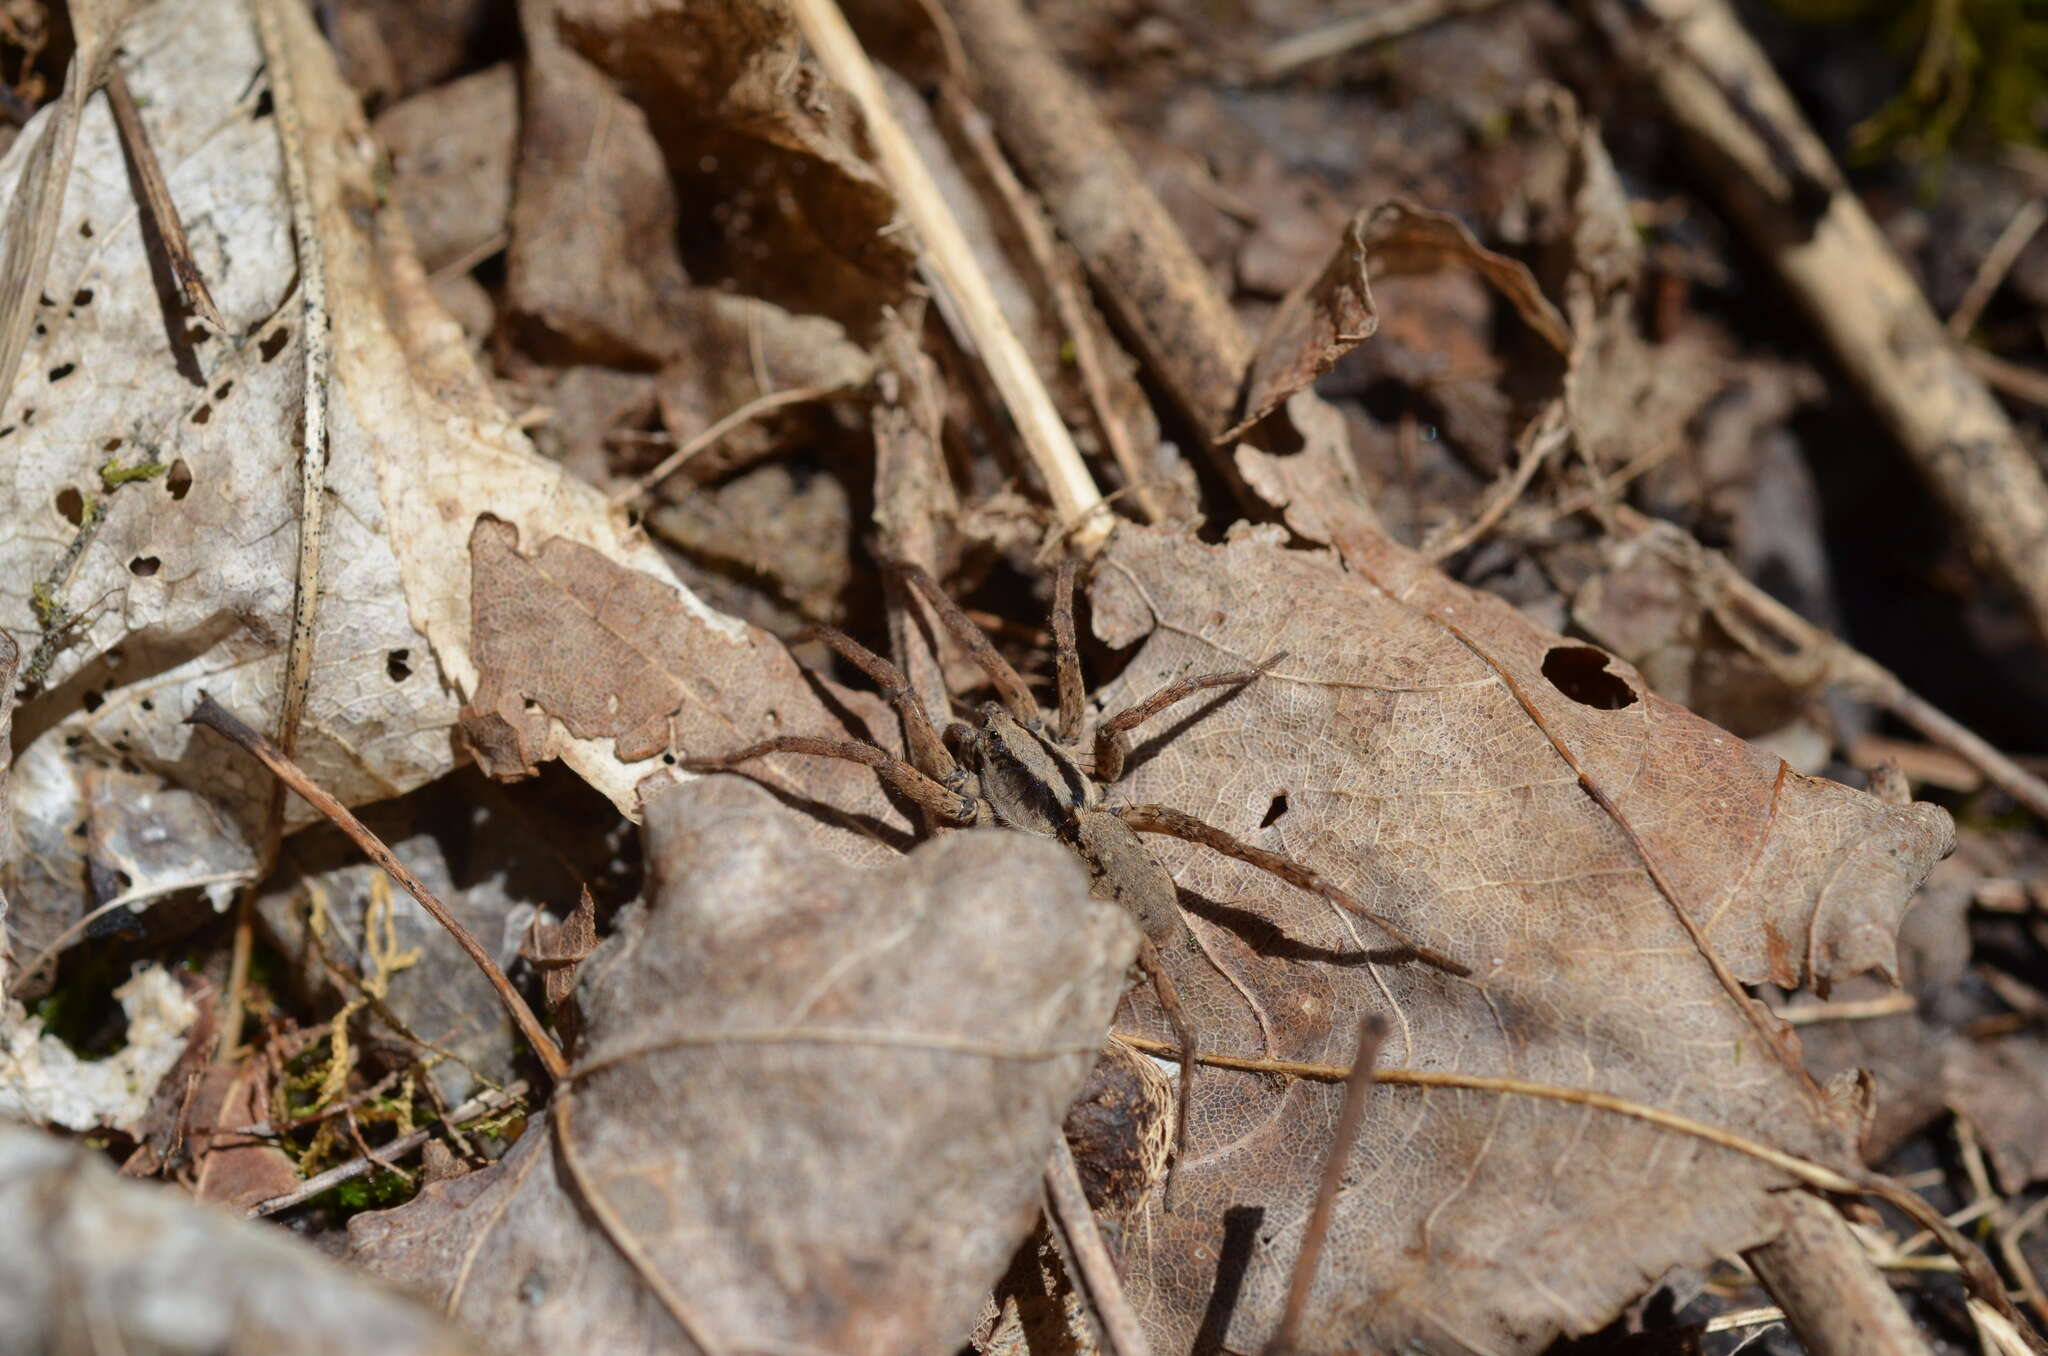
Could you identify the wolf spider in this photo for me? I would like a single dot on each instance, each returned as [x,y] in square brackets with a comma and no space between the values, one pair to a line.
[1008,768]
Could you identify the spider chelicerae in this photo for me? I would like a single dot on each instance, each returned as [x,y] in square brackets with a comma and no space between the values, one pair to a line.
[1009,767]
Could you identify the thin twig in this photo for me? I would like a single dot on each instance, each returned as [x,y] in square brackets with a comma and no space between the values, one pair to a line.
[1372,1031]
[951,262]
[1998,261]
[215,717]
[1546,433]
[158,202]
[1974,1268]
[1073,1222]
[1817,1175]
[483,1104]
[745,414]
[2008,377]
[1807,1014]
[1804,656]
[1381,23]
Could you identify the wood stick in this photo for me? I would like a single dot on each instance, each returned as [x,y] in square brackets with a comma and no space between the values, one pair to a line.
[1162,295]
[1073,1223]
[1778,181]
[215,717]
[1372,1030]
[951,261]
[1837,1302]
[158,203]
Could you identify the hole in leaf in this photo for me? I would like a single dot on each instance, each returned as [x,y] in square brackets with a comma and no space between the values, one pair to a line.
[94,700]
[142,567]
[111,445]
[179,479]
[265,106]
[195,335]
[396,667]
[62,371]
[85,229]
[1275,810]
[82,297]
[71,504]
[147,704]
[274,342]
[1580,672]
[202,414]
[221,393]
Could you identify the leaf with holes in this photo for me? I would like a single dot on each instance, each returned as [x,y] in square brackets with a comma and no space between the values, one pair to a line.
[1500,792]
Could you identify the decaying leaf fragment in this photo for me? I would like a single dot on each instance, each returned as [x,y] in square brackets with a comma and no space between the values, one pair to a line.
[566,640]
[1412,747]
[92,1263]
[1317,323]
[814,1106]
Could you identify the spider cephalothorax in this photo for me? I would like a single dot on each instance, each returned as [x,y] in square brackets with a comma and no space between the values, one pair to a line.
[1012,769]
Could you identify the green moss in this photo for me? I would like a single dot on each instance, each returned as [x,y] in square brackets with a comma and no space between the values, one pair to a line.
[373,1191]
[114,475]
[1980,72]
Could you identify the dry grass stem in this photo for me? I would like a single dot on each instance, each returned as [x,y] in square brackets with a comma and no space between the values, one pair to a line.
[745,414]
[212,715]
[1381,23]
[953,267]
[1998,261]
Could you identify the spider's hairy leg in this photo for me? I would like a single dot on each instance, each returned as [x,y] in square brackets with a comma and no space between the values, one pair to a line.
[953,807]
[1111,746]
[1174,824]
[1009,686]
[927,752]
[1066,658]
[1184,1036]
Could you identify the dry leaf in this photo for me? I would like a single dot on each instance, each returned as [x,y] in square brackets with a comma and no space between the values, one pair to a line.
[92,1263]
[452,151]
[593,274]
[152,489]
[816,1101]
[1317,323]
[566,640]
[750,125]
[1393,751]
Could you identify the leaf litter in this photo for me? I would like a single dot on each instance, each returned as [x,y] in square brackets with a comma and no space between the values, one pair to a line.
[817,1078]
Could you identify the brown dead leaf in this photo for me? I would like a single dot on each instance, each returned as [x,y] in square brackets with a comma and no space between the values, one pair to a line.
[235,1171]
[752,126]
[593,273]
[739,349]
[816,1102]
[1317,323]
[1397,749]
[1402,238]
[566,638]
[452,151]
[91,1263]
